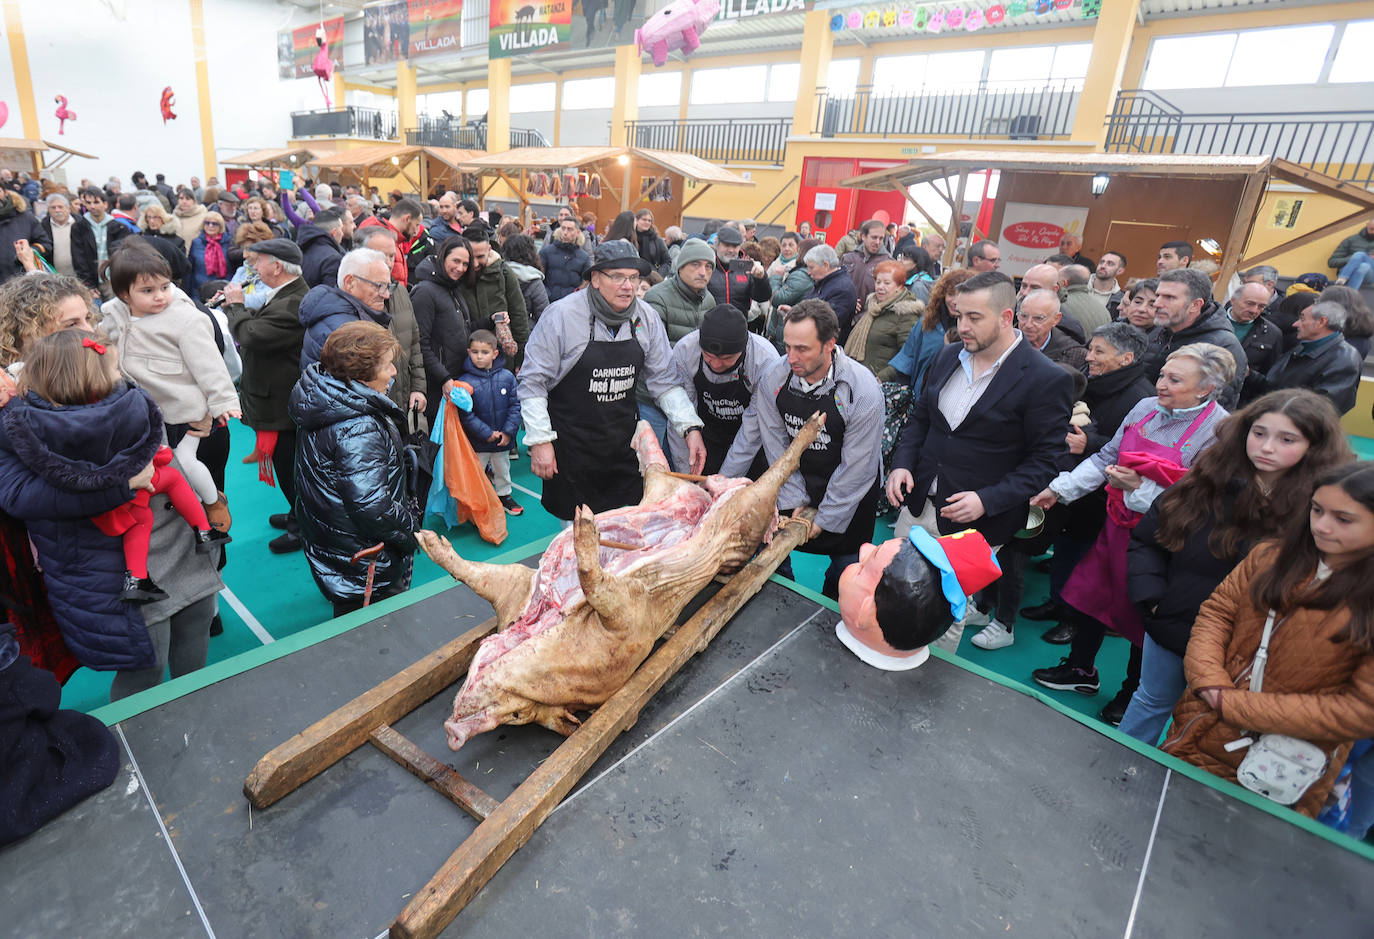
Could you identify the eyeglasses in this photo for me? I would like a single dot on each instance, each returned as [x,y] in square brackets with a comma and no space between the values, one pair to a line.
[211,225]
[621,280]
[1037,320]
[385,287]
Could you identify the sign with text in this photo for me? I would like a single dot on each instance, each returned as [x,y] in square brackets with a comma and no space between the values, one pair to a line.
[297,48]
[436,27]
[522,27]
[1031,233]
[743,9]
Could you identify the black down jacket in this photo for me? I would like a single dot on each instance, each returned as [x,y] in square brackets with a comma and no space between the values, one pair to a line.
[351,484]
[442,315]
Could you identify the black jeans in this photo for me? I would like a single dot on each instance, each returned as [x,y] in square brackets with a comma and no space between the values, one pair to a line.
[1087,640]
[284,466]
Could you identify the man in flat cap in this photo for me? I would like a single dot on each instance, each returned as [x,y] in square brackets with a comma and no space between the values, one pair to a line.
[269,340]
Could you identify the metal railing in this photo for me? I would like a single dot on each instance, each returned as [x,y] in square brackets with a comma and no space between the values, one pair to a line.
[436,132]
[725,140]
[1009,110]
[349,121]
[1337,143]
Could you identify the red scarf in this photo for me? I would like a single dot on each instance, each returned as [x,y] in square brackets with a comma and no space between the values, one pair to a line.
[216,267]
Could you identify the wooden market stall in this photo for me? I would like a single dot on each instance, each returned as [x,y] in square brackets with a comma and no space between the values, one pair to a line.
[627,178]
[1149,198]
[415,168]
[30,156]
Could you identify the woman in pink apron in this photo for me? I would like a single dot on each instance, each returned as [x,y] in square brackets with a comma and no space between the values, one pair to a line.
[1156,444]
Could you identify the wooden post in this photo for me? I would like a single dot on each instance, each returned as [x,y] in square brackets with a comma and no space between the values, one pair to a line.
[514,822]
[1241,225]
[952,236]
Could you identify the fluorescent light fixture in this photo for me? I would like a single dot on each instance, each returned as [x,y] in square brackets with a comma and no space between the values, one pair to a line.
[1099,184]
[1209,245]
[623,160]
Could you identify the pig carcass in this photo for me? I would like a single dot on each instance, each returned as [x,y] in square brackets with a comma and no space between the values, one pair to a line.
[574,630]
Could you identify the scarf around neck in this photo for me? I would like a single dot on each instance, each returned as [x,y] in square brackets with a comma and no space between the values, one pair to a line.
[858,336]
[216,265]
[602,310]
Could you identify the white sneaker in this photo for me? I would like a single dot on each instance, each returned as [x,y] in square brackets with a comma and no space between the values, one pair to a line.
[974,616]
[994,636]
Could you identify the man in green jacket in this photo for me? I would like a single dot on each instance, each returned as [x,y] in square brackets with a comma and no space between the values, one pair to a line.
[1352,257]
[683,299]
[492,290]
[270,340]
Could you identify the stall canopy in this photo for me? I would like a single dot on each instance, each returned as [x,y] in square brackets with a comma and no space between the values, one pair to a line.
[651,167]
[287,157]
[1151,198]
[30,155]
[386,160]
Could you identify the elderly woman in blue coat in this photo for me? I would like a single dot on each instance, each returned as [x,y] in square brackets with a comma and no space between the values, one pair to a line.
[352,480]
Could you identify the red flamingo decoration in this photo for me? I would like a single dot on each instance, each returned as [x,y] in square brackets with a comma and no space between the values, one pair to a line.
[64,114]
[168,100]
[323,65]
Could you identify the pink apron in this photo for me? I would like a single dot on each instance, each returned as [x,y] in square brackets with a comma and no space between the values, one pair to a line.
[1097,586]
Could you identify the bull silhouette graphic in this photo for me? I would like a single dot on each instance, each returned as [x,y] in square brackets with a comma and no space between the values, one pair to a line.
[524,15]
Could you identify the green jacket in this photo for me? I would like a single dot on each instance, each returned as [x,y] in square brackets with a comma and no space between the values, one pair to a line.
[1084,306]
[889,330]
[1348,246]
[789,290]
[497,289]
[270,342]
[410,367]
[680,314]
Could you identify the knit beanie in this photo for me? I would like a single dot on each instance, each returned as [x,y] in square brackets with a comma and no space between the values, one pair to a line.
[723,331]
[694,249]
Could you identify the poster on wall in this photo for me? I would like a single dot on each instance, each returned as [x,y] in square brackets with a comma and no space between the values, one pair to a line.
[1031,233]
[522,27]
[745,9]
[601,24]
[436,27]
[296,48]
[386,32]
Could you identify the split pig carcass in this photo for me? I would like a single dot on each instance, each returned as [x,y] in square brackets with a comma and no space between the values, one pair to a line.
[574,630]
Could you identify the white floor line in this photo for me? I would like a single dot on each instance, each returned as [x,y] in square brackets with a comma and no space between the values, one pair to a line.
[248,618]
[167,839]
[668,726]
[528,492]
[1149,849]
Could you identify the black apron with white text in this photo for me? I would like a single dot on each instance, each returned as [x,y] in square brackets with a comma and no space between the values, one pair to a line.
[721,407]
[819,463]
[594,413]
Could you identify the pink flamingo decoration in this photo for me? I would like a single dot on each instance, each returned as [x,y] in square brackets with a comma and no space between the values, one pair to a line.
[323,65]
[64,114]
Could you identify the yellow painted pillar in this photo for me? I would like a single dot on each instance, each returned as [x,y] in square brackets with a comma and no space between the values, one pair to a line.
[340,90]
[557,110]
[498,105]
[1111,46]
[626,106]
[817,43]
[19,59]
[207,122]
[406,118]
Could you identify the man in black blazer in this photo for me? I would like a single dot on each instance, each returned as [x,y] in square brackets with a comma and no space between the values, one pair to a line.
[987,429]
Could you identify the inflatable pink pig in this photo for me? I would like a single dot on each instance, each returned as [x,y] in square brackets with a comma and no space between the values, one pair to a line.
[679,25]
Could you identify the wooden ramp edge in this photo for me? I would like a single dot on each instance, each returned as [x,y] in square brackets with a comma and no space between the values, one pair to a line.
[512,823]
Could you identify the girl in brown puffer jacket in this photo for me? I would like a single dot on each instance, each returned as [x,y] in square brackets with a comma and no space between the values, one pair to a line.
[1319,680]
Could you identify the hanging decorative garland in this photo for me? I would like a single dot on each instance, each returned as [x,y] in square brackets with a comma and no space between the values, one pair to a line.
[938,18]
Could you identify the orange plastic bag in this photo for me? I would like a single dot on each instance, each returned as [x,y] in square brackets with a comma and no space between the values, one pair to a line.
[466,481]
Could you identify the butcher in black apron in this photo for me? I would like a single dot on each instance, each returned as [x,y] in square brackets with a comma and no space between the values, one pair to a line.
[839,474]
[720,366]
[577,388]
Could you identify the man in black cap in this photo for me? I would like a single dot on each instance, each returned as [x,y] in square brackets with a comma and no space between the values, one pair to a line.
[577,388]
[737,281]
[229,208]
[719,365]
[269,340]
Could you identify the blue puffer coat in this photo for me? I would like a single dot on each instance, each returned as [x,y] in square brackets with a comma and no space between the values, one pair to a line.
[494,404]
[351,484]
[564,265]
[324,309]
[56,493]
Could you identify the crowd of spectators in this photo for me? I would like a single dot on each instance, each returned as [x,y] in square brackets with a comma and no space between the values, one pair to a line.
[1179,458]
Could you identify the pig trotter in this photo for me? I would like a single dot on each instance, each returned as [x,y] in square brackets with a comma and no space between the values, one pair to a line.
[558,719]
[505,586]
[618,602]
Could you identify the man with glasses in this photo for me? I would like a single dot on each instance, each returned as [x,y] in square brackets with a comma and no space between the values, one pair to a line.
[577,388]
[984,256]
[1038,319]
[408,388]
[364,287]
[736,280]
